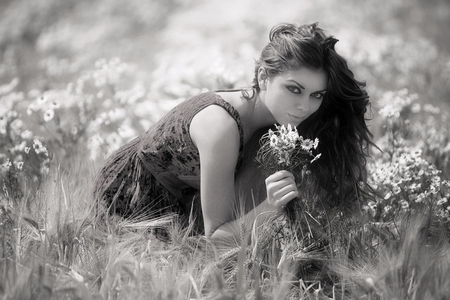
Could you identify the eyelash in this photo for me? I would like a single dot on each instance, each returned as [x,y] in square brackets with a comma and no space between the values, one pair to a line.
[318,96]
[293,88]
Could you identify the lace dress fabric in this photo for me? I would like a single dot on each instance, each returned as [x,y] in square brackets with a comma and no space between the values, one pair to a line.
[159,171]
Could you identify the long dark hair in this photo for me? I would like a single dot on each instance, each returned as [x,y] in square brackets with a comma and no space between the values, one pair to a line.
[339,123]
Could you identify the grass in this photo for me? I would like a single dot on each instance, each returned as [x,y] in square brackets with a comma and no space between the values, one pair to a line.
[53,247]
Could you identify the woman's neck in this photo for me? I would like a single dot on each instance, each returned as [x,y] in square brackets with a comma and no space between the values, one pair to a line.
[253,112]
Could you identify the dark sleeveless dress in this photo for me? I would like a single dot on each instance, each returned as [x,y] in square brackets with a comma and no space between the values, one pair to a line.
[159,171]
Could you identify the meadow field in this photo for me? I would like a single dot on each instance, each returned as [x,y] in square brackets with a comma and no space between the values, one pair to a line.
[79,78]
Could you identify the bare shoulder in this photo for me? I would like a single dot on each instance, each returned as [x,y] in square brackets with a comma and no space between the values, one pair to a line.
[213,125]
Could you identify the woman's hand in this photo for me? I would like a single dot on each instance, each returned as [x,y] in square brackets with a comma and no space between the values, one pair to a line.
[281,188]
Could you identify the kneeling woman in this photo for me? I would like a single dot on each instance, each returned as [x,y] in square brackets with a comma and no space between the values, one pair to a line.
[192,161]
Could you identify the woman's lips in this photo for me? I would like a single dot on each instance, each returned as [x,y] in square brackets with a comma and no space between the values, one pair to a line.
[296,117]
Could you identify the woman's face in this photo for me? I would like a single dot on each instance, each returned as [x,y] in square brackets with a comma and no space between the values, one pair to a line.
[294,95]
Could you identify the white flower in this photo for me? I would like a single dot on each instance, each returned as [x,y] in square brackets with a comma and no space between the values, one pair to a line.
[19,165]
[34,93]
[54,104]
[7,164]
[21,146]
[16,124]
[442,201]
[316,143]
[415,108]
[39,148]
[41,100]
[404,204]
[48,115]
[27,134]
[100,94]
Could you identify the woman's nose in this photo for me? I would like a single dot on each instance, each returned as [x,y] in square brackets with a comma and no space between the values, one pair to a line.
[303,105]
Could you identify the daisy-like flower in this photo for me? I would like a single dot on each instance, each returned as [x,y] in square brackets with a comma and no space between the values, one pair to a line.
[19,165]
[54,104]
[48,115]
[39,148]
[284,148]
[41,100]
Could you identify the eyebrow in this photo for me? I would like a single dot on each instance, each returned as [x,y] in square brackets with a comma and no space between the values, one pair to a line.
[302,87]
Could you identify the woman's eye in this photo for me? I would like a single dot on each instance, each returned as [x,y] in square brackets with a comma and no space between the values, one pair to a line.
[294,89]
[318,96]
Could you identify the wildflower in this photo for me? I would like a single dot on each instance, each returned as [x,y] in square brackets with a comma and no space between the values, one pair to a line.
[307,144]
[7,164]
[34,93]
[404,204]
[283,142]
[284,147]
[27,134]
[54,104]
[431,109]
[21,146]
[372,205]
[396,189]
[12,114]
[16,124]
[415,108]
[116,114]
[39,148]
[48,115]
[273,139]
[420,197]
[100,94]
[41,100]
[442,201]
[19,165]
[27,150]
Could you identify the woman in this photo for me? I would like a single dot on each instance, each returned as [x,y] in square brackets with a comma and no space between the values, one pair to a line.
[299,80]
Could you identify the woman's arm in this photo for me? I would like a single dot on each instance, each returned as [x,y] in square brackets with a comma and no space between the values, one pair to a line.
[216,136]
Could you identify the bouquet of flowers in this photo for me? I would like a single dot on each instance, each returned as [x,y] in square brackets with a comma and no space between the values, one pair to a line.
[285,149]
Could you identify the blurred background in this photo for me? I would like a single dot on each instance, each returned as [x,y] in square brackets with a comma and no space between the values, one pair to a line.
[45,42]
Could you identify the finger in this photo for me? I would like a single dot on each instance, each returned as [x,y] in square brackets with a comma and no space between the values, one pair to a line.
[280,175]
[287,198]
[274,185]
[284,190]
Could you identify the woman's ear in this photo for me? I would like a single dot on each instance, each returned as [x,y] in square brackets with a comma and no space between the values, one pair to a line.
[262,78]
